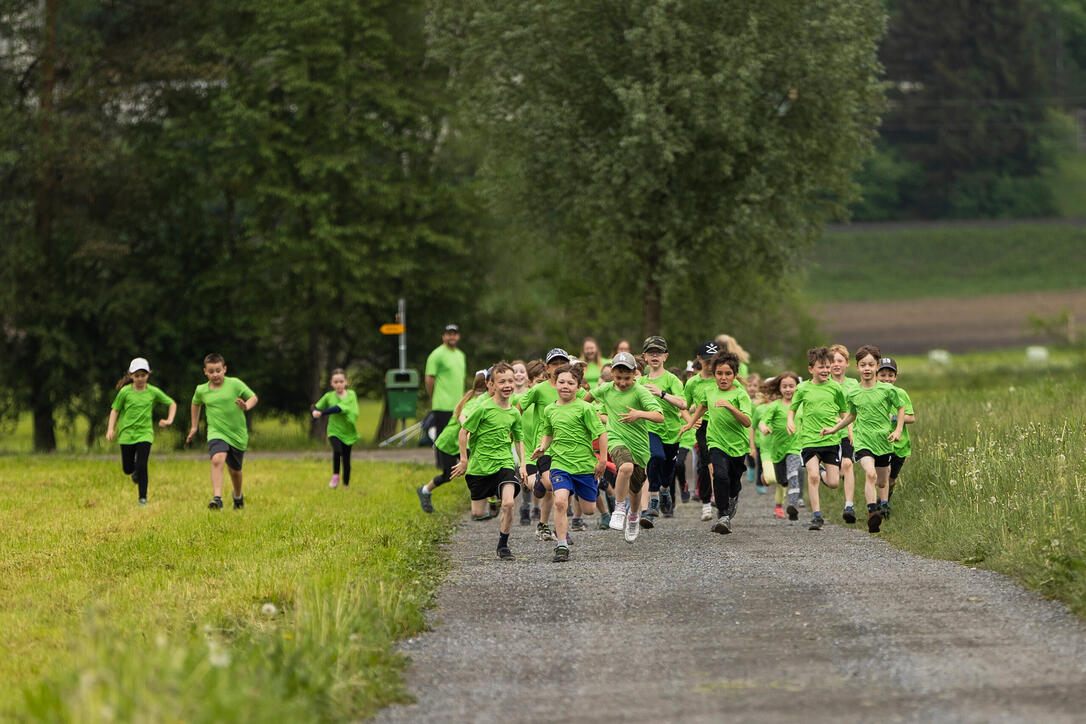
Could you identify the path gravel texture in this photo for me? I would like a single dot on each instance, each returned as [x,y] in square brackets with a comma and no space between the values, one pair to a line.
[771,623]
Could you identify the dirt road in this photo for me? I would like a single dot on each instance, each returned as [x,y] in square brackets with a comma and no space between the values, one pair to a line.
[772,623]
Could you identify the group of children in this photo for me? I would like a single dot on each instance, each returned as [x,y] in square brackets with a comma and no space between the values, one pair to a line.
[544,430]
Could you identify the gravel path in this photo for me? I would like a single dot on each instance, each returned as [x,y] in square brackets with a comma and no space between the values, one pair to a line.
[771,623]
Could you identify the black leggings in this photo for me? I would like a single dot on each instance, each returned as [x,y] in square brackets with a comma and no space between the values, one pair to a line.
[705,483]
[134,463]
[341,452]
[680,468]
[728,475]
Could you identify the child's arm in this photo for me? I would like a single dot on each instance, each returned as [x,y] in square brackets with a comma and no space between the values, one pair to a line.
[742,417]
[170,414]
[601,455]
[110,432]
[520,456]
[791,426]
[632,414]
[694,417]
[246,405]
[317,412]
[843,422]
[896,434]
[544,443]
[679,402]
[462,464]
[194,415]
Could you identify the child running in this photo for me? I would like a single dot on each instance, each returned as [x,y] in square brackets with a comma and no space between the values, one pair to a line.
[728,407]
[629,407]
[663,439]
[342,404]
[871,406]
[838,367]
[887,373]
[227,399]
[447,444]
[820,401]
[695,386]
[535,400]
[568,428]
[783,447]
[490,470]
[132,408]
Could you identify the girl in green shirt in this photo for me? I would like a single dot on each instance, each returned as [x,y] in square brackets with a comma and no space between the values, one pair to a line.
[131,413]
[342,428]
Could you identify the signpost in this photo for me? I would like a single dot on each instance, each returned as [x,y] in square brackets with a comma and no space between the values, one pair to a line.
[401,385]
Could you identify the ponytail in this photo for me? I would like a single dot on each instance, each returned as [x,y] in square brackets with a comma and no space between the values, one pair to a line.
[127,379]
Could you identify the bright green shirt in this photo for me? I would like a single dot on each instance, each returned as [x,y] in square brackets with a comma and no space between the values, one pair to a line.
[819,406]
[225,420]
[135,408]
[725,431]
[448,441]
[536,399]
[760,441]
[668,430]
[634,436]
[779,442]
[592,371]
[342,424]
[527,421]
[574,427]
[850,383]
[692,387]
[448,367]
[903,448]
[873,407]
[492,428]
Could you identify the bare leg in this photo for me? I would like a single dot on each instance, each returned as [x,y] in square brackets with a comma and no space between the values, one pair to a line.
[218,460]
[870,480]
[622,483]
[883,482]
[235,480]
[505,515]
[561,526]
[814,479]
[850,478]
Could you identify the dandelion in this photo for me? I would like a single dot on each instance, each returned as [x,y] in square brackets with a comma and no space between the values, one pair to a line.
[269,609]
[1055,542]
[972,449]
[992,500]
[1010,389]
[953,481]
[217,655]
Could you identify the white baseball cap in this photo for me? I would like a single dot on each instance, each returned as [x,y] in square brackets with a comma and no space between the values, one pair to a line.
[139,364]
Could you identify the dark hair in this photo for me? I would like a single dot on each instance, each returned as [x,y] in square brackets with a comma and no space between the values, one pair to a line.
[337,371]
[725,358]
[572,372]
[772,386]
[641,363]
[868,349]
[535,368]
[818,354]
[620,341]
[502,366]
[214,358]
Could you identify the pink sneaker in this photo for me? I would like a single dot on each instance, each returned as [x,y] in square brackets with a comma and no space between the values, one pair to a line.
[334,482]
[778,511]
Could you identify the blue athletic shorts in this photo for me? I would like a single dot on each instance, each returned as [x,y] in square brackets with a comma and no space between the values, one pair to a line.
[583,486]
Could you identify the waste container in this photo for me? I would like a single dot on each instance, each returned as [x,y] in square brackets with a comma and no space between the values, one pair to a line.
[402,389]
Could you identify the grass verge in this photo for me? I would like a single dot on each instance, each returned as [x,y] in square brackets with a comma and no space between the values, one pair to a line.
[286,611]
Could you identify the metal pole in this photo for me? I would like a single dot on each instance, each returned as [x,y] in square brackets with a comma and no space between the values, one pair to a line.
[401,318]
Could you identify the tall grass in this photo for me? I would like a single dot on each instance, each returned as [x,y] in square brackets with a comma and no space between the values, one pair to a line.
[286,611]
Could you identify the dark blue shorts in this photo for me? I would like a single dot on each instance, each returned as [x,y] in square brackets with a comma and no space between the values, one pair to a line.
[583,486]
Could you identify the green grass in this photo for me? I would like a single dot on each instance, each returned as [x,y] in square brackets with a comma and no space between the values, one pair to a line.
[995,479]
[114,611]
[951,261]
[272,432]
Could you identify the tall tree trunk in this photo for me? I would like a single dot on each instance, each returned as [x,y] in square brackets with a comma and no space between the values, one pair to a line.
[45,439]
[650,314]
[318,362]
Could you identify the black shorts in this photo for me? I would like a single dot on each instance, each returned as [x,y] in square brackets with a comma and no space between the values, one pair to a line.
[847,451]
[896,461]
[234,457]
[881,461]
[827,455]
[445,461]
[482,487]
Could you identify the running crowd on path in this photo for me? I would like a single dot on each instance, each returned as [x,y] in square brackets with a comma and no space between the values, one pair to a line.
[572,436]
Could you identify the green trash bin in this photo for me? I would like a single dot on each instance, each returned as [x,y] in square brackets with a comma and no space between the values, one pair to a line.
[402,389]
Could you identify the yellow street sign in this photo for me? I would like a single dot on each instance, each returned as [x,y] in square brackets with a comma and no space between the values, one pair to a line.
[392,329]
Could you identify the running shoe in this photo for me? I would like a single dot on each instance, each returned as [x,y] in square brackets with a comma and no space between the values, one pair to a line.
[778,511]
[816,523]
[849,515]
[505,554]
[760,488]
[633,527]
[577,525]
[143,501]
[561,554]
[618,520]
[605,521]
[733,506]
[569,540]
[685,495]
[800,503]
[525,516]
[543,532]
[334,482]
[874,521]
[425,499]
[723,525]
[485,516]
[239,503]
[884,509]
[215,504]
[654,508]
[646,521]
[706,511]
[793,512]
[667,504]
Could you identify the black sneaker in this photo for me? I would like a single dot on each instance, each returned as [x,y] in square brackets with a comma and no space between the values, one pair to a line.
[884,510]
[505,554]
[426,500]
[816,523]
[667,505]
[239,503]
[849,515]
[793,512]
[215,504]
[561,554]
[646,522]
[577,525]
[874,521]
[525,516]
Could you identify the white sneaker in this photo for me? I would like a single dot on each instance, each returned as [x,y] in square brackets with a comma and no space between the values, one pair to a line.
[633,527]
[618,518]
[707,511]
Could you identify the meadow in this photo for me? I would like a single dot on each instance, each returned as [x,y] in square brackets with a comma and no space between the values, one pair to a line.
[285,611]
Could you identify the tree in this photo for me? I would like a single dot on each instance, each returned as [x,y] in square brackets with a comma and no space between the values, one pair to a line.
[674,155]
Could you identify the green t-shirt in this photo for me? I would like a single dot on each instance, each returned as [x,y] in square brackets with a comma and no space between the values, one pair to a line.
[725,431]
[903,448]
[535,400]
[668,430]
[689,439]
[634,436]
[343,423]
[135,408]
[448,367]
[592,371]
[690,390]
[448,441]
[873,407]
[527,420]
[574,427]
[492,428]
[850,383]
[779,442]
[819,406]
[225,420]
[756,417]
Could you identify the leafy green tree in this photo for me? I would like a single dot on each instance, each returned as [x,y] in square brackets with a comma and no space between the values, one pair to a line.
[669,156]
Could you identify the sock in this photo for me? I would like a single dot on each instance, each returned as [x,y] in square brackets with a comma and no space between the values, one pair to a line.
[238,497]
[884,502]
[426,488]
[620,507]
[817,514]
[871,507]
[576,517]
[503,540]
[849,504]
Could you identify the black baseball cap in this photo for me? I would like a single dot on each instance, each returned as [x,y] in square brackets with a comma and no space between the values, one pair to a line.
[452,328]
[654,342]
[887,363]
[707,349]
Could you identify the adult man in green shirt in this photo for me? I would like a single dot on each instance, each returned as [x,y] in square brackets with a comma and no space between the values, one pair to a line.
[445,370]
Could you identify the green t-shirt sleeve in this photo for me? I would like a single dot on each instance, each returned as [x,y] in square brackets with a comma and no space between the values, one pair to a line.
[161,396]
[545,427]
[242,390]
[324,402]
[743,404]
[476,416]
[517,429]
[592,422]
[119,400]
[647,401]
[431,364]
[197,396]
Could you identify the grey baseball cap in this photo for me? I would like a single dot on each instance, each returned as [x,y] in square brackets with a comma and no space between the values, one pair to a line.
[557,353]
[624,359]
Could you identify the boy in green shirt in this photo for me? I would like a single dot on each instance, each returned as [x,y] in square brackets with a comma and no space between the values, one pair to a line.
[537,398]
[663,439]
[702,381]
[227,399]
[568,428]
[887,373]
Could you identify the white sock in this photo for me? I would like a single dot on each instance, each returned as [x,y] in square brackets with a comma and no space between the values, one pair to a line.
[848,504]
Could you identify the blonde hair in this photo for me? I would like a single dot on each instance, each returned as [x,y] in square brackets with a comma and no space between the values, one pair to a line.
[729,343]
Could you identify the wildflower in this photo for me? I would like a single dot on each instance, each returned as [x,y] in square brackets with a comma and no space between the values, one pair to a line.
[269,609]
[1055,542]
[992,500]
